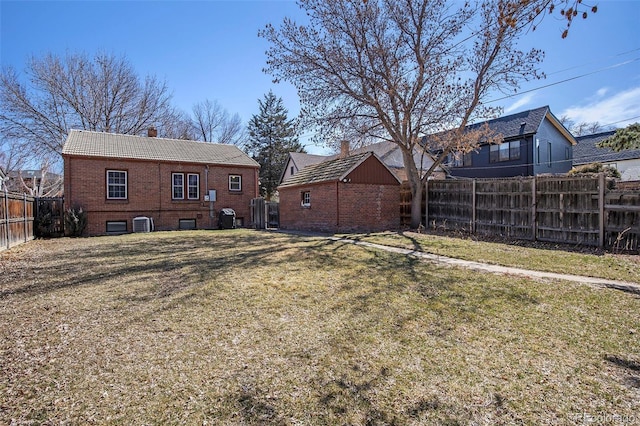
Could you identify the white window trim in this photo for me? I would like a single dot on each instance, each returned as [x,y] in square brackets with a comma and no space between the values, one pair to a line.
[306,195]
[126,184]
[174,186]
[188,186]
[239,183]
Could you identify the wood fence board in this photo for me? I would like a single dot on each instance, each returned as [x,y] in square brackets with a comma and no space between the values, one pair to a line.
[549,208]
[16,219]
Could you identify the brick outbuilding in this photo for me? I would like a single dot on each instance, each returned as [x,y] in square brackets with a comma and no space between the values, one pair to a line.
[116,178]
[358,193]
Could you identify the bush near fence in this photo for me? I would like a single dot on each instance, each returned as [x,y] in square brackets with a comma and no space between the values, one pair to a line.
[577,210]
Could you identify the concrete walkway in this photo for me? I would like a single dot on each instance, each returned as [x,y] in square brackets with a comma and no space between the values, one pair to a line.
[496,269]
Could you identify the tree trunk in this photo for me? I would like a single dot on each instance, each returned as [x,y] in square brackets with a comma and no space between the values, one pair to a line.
[415,183]
[416,206]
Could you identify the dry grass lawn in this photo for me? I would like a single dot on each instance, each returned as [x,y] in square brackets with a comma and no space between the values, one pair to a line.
[246,327]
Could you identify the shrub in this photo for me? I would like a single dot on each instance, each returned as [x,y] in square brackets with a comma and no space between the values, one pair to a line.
[595,168]
[75,221]
[43,223]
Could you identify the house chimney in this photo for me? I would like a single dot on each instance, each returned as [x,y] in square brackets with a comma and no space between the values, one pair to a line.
[152,132]
[344,149]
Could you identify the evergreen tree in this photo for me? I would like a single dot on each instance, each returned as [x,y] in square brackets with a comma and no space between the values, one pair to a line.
[271,137]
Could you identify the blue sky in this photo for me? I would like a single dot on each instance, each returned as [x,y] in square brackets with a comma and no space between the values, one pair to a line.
[210,50]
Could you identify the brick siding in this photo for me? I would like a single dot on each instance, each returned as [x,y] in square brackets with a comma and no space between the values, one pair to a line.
[149,187]
[341,207]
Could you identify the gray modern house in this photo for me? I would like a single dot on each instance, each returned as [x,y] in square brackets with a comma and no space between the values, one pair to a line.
[534,143]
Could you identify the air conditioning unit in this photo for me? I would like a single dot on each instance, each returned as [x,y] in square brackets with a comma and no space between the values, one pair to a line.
[142,224]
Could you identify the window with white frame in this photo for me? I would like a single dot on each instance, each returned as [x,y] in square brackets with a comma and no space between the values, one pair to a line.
[235,183]
[116,185]
[305,199]
[177,185]
[193,186]
[182,184]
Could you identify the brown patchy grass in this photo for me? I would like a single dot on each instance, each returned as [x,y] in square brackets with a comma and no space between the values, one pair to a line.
[244,327]
[600,265]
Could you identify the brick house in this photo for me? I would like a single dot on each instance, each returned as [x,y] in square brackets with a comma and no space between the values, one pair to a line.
[354,193]
[116,178]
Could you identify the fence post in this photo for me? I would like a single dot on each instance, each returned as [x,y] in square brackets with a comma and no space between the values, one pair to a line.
[6,218]
[534,205]
[601,188]
[473,207]
[24,214]
[426,204]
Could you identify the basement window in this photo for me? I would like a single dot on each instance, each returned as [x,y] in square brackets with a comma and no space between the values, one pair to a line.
[186,224]
[116,227]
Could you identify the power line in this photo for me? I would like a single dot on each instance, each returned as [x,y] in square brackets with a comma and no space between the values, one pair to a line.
[594,62]
[565,80]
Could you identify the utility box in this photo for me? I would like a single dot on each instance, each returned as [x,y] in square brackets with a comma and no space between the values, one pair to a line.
[227,219]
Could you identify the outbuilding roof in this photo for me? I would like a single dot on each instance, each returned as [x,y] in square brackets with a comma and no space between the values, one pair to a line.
[330,171]
[85,143]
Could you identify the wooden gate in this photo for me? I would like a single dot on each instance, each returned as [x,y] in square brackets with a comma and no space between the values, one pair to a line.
[265,214]
[49,217]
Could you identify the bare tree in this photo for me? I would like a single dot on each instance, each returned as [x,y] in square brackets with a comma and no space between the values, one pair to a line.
[214,124]
[37,183]
[583,128]
[102,93]
[397,70]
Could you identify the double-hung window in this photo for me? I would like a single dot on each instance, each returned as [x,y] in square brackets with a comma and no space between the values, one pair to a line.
[177,192]
[306,199]
[116,185]
[193,186]
[185,184]
[235,183]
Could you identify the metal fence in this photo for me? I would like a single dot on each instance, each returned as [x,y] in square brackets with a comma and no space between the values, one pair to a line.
[576,210]
[16,219]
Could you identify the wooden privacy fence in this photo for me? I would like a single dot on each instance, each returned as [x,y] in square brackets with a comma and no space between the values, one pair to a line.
[16,219]
[265,214]
[575,210]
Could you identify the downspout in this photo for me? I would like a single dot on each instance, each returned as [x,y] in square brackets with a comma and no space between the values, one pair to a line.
[338,206]
[159,192]
[206,192]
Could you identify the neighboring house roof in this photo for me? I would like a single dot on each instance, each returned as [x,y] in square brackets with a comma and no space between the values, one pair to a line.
[525,123]
[331,170]
[109,145]
[388,153]
[302,159]
[32,174]
[587,152]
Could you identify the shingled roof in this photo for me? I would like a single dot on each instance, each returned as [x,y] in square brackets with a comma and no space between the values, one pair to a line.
[524,123]
[328,171]
[587,152]
[109,145]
